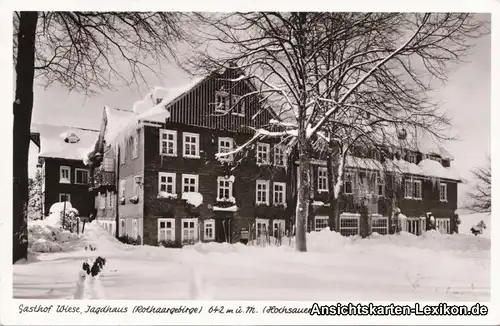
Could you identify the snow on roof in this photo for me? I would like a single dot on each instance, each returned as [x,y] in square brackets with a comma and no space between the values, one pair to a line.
[362,163]
[433,168]
[53,141]
[152,108]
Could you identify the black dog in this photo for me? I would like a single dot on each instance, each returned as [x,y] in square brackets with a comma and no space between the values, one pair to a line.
[97,266]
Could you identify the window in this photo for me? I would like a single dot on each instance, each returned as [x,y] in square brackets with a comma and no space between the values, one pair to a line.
[189,183]
[435,158]
[412,158]
[121,230]
[322,179]
[349,224]
[209,230]
[238,105]
[64,172]
[408,189]
[278,228]
[166,229]
[122,188]
[102,201]
[189,230]
[137,184]
[109,196]
[380,224]
[380,185]
[226,145]
[166,182]
[135,229]
[279,194]
[64,197]
[191,145]
[135,145]
[349,183]
[224,189]
[417,189]
[443,192]
[279,155]
[221,102]
[263,150]
[443,225]
[168,142]
[81,176]
[262,192]
[413,189]
[320,222]
[261,227]
[376,155]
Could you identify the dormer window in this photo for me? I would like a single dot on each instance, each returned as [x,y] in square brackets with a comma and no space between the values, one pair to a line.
[222,102]
[70,138]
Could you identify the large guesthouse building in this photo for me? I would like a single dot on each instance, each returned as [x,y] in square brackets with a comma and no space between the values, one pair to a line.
[156,179]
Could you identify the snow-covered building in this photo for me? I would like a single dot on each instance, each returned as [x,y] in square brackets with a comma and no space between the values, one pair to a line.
[418,181]
[64,175]
[156,177]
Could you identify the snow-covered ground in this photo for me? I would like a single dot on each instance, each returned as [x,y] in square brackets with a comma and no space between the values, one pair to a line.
[394,268]
[470,220]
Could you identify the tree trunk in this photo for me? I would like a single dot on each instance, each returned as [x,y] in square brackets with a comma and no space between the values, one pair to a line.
[334,214]
[303,192]
[22,107]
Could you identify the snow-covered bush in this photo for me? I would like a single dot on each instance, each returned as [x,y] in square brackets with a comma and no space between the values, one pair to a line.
[70,219]
[126,239]
[47,238]
[168,244]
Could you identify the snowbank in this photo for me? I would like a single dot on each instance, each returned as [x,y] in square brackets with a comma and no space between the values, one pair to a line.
[470,220]
[44,237]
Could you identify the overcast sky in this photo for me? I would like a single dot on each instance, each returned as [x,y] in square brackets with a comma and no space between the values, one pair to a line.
[467,96]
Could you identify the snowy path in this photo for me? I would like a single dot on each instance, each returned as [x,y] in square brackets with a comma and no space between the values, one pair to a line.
[393,269]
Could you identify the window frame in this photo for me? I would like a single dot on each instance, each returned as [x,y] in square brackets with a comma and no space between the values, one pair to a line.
[279,150]
[137,186]
[76,176]
[227,158]
[419,182]
[412,157]
[258,160]
[267,184]
[379,181]
[229,187]
[352,181]
[445,192]
[168,132]
[197,145]
[173,183]
[65,168]
[324,178]
[196,177]
[408,190]
[227,105]
[239,109]
[283,191]
[320,218]
[122,186]
[195,228]
[159,229]
[68,197]
[209,224]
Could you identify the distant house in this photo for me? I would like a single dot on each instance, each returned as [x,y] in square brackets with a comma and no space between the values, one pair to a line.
[419,182]
[60,159]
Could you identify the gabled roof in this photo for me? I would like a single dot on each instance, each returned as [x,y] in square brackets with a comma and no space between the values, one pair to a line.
[64,142]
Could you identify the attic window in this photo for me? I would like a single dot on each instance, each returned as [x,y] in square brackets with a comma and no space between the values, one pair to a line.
[72,139]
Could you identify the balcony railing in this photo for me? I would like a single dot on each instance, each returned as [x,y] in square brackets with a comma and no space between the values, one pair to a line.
[102,178]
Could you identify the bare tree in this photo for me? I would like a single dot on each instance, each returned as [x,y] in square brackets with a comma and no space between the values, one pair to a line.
[333,74]
[83,51]
[481,194]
